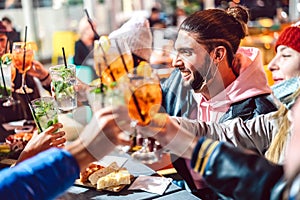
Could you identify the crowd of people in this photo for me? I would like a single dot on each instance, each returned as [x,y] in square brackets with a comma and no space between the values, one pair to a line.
[230,134]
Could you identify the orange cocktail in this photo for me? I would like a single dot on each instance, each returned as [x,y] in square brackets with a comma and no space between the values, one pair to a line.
[22,53]
[112,58]
[145,101]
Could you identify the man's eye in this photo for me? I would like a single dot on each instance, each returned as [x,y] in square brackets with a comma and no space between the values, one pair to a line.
[2,40]
[185,52]
[286,55]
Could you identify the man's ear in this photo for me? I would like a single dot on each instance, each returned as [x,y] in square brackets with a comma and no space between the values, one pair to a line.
[219,53]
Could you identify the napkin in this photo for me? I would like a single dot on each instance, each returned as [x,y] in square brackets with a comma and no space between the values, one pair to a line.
[152,184]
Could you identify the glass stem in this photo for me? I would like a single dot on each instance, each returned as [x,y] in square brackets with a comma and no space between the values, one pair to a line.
[23,80]
[145,145]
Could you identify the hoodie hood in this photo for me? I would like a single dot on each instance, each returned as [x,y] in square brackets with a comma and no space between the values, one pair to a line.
[252,80]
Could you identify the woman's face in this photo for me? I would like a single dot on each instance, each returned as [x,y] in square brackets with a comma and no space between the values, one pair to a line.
[285,64]
[3,39]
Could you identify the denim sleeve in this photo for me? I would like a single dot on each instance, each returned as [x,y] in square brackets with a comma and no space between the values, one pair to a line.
[44,176]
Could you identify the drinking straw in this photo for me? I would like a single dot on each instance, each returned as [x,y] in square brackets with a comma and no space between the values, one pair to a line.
[64,56]
[133,95]
[5,89]
[6,44]
[31,107]
[122,57]
[24,53]
[106,63]
[91,24]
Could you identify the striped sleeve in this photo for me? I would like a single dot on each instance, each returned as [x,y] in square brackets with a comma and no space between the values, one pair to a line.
[201,154]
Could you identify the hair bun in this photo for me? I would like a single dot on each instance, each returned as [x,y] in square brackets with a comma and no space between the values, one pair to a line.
[241,15]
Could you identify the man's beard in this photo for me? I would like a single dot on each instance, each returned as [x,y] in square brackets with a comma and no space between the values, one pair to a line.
[196,83]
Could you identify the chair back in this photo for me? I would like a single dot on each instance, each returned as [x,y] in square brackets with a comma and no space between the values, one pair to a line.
[64,39]
[85,73]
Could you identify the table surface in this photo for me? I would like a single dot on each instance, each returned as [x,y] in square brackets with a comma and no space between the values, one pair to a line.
[135,168]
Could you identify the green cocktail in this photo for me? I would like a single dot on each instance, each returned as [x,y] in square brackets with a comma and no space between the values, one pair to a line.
[45,112]
[107,96]
[62,86]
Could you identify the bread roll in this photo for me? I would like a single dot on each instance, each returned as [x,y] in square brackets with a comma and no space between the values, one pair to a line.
[121,177]
[93,178]
[89,170]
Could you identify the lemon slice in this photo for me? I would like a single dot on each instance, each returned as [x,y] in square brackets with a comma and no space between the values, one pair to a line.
[33,46]
[144,69]
[6,58]
[105,43]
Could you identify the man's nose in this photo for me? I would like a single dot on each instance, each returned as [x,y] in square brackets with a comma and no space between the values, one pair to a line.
[176,61]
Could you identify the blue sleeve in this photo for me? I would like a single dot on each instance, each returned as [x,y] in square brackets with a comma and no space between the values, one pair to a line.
[44,176]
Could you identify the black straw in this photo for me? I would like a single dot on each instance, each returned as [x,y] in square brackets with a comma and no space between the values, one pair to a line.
[106,63]
[24,53]
[31,107]
[136,103]
[5,89]
[91,24]
[6,44]
[122,57]
[64,56]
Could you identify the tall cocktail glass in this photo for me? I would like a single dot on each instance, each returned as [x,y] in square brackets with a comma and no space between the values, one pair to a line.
[22,53]
[45,112]
[143,95]
[62,86]
[9,74]
[112,59]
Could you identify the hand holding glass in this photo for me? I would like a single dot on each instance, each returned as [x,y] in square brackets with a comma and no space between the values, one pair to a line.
[45,112]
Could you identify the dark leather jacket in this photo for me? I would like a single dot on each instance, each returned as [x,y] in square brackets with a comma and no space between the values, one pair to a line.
[238,174]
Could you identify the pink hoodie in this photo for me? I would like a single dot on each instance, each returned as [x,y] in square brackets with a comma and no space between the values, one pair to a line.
[251,82]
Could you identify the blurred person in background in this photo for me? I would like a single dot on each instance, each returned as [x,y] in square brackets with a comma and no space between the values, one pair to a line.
[178,17]
[12,33]
[84,46]
[154,19]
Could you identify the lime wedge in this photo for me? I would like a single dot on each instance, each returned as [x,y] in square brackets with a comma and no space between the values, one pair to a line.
[6,58]
[105,43]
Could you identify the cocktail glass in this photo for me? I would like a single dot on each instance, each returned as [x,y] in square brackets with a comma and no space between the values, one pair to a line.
[62,86]
[143,96]
[9,73]
[110,96]
[45,112]
[112,59]
[22,53]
